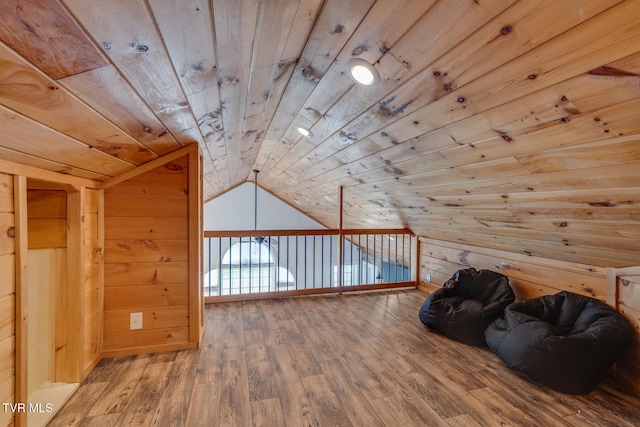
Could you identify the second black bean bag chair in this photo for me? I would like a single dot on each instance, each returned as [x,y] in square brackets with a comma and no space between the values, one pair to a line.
[466,304]
[567,342]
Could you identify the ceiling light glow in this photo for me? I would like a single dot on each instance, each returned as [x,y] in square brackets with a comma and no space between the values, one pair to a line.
[363,72]
[362,75]
[304,131]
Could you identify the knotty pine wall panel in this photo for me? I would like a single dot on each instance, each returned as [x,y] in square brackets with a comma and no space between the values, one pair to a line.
[93,286]
[7,296]
[529,276]
[628,303]
[147,260]
[47,218]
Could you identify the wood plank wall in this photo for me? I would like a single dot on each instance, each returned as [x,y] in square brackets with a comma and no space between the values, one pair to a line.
[531,277]
[7,296]
[147,260]
[625,288]
[48,228]
[93,278]
[47,219]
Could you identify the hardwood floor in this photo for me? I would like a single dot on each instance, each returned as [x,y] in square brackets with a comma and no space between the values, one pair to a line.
[352,360]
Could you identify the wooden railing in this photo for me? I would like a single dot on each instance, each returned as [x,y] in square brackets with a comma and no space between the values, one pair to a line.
[254,264]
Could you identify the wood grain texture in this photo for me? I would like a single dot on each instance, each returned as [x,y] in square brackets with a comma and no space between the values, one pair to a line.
[47,36]
[492,98]
[163,92]
[8,263]
[27,91]
[106,91]
[20,249]
[377,373]
[151,260]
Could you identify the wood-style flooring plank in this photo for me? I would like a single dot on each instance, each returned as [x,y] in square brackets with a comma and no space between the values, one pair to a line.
[413,405]
[124,380]
[267,413]
[355,360]
[75,412]
[358,408]
[234,406]
[296,406]
[203,410]
[176,396]
[145,399]
[325,402]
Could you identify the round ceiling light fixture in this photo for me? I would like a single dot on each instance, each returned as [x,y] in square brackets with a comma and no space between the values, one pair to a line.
[304,131]
[363,72]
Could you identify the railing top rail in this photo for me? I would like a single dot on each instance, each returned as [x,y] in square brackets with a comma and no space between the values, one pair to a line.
[323,232]
[258,233]
[377,231]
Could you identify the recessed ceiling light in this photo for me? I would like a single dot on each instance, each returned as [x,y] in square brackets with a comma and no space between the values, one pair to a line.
[304,131]
[363,72]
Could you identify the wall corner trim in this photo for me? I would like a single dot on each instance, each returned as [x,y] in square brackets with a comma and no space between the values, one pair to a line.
[150,165]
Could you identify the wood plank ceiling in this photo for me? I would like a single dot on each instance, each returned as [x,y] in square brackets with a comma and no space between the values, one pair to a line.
[500,123]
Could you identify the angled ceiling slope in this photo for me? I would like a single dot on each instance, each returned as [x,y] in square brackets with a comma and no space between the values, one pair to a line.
[499,123]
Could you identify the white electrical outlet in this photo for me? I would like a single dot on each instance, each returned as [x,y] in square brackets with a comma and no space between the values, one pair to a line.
[135,321]
[428,277]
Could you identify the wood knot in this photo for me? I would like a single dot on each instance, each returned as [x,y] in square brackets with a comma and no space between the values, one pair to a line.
[505,30]
[506,137]
[605,204]
[150,244]
[351,136]
[359,50]
[11,232]
[461,99]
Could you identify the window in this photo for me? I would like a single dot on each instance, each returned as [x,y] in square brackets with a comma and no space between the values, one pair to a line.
[248,267]
[351,274]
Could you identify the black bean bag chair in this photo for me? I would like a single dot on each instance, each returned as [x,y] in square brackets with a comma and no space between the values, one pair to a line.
[466,304]
[567,342]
